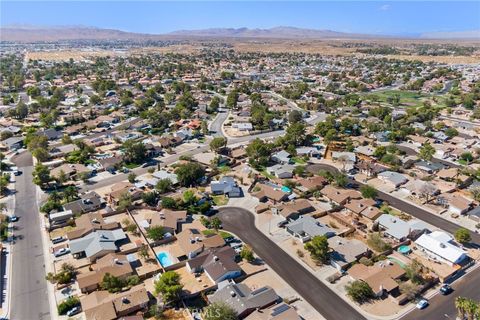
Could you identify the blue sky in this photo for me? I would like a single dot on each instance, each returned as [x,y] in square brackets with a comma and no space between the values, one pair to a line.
[383,17]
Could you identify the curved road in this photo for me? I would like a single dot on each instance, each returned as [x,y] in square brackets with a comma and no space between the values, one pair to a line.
[241,222]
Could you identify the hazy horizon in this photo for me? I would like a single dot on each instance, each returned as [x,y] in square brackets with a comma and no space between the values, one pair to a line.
[366,17]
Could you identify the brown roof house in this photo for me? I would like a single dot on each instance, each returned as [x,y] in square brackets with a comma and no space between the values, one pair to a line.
[364,207]
[340,196]
[267,192]
[69,169]
[88,223]
[381,277]
[346,251]
[193,242]
[217,263]
[291,210]
[102,305]
[170,220]
[115,264]
[242,299]
[281,311]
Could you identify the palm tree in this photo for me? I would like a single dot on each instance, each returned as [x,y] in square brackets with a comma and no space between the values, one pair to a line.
[460,304]
[471,308]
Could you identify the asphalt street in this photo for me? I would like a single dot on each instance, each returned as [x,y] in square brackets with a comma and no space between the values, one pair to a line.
[241,222]
[404,206]
[29,299]
[468,286]
[443,307]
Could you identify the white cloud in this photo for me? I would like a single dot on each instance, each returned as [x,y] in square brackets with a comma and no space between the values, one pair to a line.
[385,7]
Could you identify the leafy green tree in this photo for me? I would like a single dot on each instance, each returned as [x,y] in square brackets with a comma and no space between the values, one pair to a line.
[462,235]
[359,291]
[247,254]
[426,152]
[163,185]
[414,271]
[150,198]
[189,174]
[232,99]
[219,311]
[132,177]
[218,143]
[111,283]
[258,152]
[41,175]
[169,203]
[156,233]
[68,304]
[451,132]
[295,116]
[134,152]
[125,201]
[216,223]
[467,156]
[368,191]
[341,180]
[214,105]
[169,286]
[318,248]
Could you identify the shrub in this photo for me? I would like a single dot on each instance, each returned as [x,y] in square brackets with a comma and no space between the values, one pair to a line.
[359,291]
[67,305]
[366,261]
[376,243]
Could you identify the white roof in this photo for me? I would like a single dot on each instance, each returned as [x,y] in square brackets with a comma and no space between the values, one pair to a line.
[440,244]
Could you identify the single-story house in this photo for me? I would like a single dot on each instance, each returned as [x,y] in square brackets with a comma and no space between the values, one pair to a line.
[346,251]
[400,230]
[281,171]
[281,157]
[242,299]
[61,217]
[217,263]
[439,246]
[227,186]
[394,178]
[87,203]
[97,244]
[13,143]
[306,227]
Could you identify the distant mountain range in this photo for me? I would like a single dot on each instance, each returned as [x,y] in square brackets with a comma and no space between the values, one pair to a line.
[16,33]
[272,33]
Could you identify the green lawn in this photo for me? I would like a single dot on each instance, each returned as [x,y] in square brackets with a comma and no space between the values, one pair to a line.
[210,232]
[220,200]
[266,174]
[299,160]
[132,166]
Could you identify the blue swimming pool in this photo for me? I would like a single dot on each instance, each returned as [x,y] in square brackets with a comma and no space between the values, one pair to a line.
[164,258]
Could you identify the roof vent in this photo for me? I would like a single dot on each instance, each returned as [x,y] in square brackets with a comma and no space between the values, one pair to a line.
[232,293]
[215,258]
[125,300]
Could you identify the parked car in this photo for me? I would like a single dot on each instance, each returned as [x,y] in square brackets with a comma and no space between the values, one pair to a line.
[13,219]
[58,239]
[282,224]
[17,172]
[446,290]
[422,304]
[235,245]
[61,252]
[73,311]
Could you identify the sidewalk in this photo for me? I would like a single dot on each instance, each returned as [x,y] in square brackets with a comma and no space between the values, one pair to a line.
[49,264]
[6,285]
